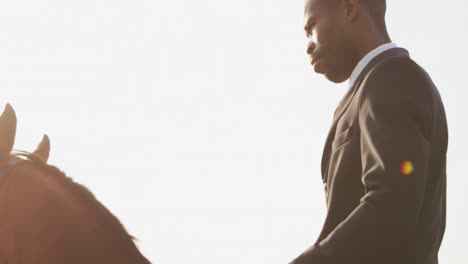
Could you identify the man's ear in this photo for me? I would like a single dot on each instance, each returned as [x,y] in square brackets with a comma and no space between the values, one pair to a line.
[350,9]
[7,132]
[43,149]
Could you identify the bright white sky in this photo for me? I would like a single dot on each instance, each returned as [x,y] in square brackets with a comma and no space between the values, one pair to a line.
[200,124]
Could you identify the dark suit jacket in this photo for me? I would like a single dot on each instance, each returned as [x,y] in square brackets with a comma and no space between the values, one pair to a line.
[376,214]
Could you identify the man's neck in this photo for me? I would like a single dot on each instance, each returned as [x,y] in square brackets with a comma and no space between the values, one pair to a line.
[370,44]
[366,58]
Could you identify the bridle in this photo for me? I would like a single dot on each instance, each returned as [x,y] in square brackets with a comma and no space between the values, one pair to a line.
[16,158]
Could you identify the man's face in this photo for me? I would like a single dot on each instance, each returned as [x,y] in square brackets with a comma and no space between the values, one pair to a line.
[330,51]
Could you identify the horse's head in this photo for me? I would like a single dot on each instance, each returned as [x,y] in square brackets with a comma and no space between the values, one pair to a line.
[48,217]
[8,134]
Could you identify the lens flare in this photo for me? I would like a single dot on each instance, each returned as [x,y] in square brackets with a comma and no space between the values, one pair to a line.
[406,167]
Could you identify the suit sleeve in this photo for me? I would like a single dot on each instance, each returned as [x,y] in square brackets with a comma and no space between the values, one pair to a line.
[394,120]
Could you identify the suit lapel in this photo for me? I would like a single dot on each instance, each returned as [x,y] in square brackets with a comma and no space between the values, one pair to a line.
[344,103]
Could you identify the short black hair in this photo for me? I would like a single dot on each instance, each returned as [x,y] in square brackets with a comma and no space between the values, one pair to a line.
[376,9]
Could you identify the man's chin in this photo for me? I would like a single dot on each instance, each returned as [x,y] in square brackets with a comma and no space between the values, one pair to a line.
[330,75]
[318,68]
[335,78]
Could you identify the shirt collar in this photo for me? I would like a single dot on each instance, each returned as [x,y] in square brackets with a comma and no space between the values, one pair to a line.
[364,61]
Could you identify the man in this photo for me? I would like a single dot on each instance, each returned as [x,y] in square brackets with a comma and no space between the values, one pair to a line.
[384,160]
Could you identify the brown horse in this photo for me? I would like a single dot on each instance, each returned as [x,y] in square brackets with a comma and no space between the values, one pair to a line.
[46,218]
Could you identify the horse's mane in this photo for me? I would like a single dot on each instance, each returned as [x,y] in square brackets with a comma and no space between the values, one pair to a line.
[84,195]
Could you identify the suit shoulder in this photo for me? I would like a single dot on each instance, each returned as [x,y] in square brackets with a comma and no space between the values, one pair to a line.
[398,77]
[398,69]
[399,87]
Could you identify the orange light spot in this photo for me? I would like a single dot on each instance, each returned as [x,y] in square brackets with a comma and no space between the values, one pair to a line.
[407,168]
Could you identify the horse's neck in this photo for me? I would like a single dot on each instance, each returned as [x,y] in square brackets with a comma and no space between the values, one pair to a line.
[50,219]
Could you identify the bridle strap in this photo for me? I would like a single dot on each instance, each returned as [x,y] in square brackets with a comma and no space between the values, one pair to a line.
[16,158]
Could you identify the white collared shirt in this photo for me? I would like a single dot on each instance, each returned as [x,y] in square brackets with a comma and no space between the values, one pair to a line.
[364,61]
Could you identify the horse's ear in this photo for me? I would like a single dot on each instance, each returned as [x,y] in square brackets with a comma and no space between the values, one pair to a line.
[43,149]
[7,132]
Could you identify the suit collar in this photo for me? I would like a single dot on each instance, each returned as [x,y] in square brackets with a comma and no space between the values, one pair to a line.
[366,59]
[344,103]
